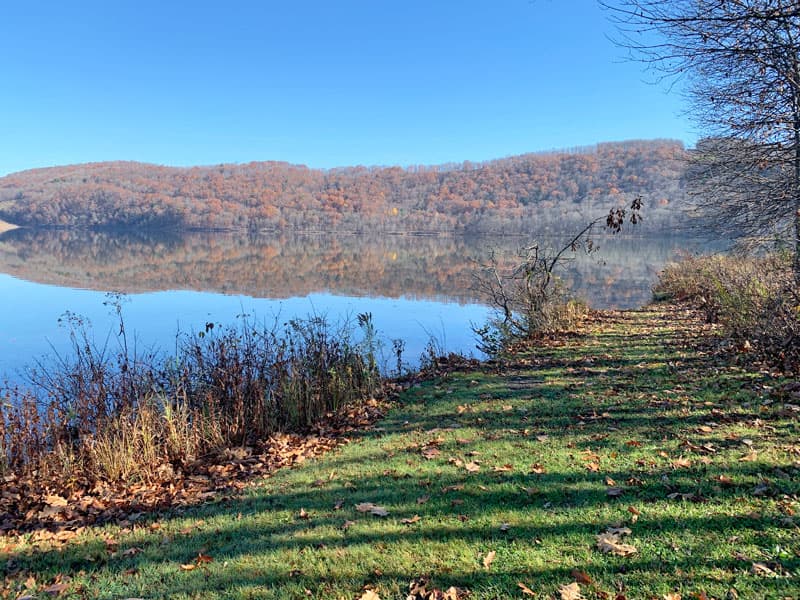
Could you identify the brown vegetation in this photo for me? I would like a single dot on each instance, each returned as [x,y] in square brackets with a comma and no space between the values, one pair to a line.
[98,425]
[507,195]
[755,300]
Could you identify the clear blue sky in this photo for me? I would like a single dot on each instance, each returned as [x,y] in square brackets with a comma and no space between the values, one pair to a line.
[318,83]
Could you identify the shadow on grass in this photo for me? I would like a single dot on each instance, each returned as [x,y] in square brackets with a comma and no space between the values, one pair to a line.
[290,536]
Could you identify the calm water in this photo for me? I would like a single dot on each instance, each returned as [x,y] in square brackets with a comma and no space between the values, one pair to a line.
[415,287]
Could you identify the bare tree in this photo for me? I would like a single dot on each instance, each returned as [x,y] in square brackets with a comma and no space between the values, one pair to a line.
[740,60]
[527,294]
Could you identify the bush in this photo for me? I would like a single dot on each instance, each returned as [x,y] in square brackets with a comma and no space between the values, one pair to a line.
[125,416]
[755,300]
[528,297]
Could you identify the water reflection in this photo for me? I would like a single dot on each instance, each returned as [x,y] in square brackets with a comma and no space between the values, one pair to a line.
[284,266]
[415,286]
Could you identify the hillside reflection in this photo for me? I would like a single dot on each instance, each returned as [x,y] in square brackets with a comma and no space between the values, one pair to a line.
[290,265]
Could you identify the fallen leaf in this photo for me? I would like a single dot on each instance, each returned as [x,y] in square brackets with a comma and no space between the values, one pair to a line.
[681,463]
[581,577]
[723,480]
[672,596]
[56,589]
[370,595]
[503,469]
[431,453]
[472,467]
[537,469]
[412,520]
[188,567]
[488,559]
[611,544]
[763,570]
[525,589]
[303,514]
[570,591]
[55,500]
[203,559]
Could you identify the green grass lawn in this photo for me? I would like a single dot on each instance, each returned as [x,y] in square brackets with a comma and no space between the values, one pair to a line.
[497,477]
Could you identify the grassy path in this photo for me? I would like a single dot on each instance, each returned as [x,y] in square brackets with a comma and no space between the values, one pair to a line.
[489,479]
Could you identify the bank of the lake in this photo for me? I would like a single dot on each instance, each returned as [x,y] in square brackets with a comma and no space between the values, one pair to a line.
[625,460]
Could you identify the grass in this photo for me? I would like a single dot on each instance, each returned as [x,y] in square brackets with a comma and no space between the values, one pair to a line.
[706,455]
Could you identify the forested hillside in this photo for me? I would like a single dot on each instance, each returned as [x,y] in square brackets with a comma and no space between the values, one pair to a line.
[545,190]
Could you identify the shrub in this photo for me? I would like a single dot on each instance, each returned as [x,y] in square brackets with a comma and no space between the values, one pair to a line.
[125,416]
[528,297]
[754,299]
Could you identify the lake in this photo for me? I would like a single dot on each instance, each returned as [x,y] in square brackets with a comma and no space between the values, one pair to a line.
[417,288]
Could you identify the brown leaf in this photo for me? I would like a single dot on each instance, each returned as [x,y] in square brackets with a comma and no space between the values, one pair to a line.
[431,452]
[537,469]
[681,463]
[611,544]
[472,467]
[581,577]
[751,457]
[570,591]
[412,520]
[370,595]
[503,469]
[55,500]
[526,590]
[188,567]
[303,514]
[488,559]
[762,569]
[203,559]
[672,596]
[56,589]
[593,466]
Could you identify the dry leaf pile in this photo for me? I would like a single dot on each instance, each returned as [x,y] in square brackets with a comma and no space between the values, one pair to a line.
[57,511]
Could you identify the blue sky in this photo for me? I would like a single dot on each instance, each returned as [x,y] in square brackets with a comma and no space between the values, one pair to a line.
[317,83]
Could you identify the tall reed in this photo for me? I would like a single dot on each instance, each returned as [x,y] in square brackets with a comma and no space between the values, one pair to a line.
[111,412]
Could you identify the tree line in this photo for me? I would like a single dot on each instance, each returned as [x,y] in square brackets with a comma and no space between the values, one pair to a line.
[545,191]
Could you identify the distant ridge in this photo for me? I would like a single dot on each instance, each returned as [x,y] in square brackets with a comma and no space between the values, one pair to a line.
[547,189]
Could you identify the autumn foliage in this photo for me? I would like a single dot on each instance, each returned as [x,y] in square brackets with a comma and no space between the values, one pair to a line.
[506,195]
